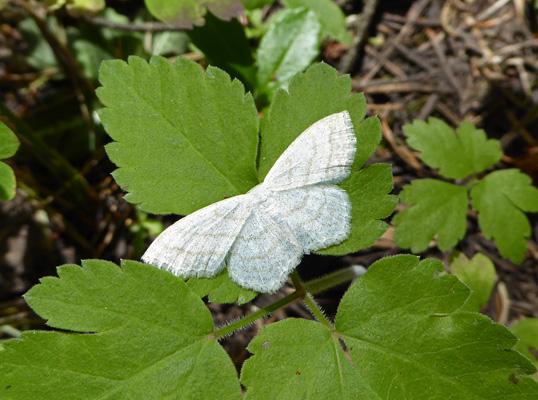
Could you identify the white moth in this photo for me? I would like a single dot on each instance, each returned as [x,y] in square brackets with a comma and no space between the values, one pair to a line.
[261,236]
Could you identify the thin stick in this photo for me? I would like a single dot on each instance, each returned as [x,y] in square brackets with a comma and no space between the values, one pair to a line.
[349,59]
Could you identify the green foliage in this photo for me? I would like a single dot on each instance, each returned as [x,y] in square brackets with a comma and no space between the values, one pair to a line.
[289,46]
[191,136]
[142,333]
[438,209]
[186,13]
[221,289]
[478,274]
[8,147]
[146,336]
[501,199]
[456,154]
[225,45]
[526,331]
[404,336]
[333,20]
[200,126]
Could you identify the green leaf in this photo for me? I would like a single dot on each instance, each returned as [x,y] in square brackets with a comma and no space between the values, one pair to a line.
[438,210]
[147,336]
[9,143]
[7,182]
[456,154]
[289,46]
[404,338]
[478,274]
[8,147]
[221,289]
[186,13]
[526,331]
[226,46]
[367,191]
[315,94]
[333,20]
[184,138]
[501,199]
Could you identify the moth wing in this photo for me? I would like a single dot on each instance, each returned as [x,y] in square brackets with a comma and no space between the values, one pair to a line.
[323,153]
[264,253]
[319,215]
[198,244]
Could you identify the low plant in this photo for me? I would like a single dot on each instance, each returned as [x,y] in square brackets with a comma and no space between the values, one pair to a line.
[185,138]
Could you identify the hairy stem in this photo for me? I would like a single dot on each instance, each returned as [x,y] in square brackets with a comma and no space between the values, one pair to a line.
[309,301]
[303,292]
[244,322]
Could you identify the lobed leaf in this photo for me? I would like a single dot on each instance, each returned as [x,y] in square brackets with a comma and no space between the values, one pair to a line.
[184,138]
[456,154]
[331,17]
[405,338]
[147,336]
[478,274]
[438,210]
[186,13]
[501,199]
[289,46]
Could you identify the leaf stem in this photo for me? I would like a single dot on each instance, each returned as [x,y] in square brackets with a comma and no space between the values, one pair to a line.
[244,322]
[309,301]
[303,290]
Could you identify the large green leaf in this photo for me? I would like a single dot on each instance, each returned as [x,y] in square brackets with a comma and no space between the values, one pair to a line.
[456,154]
[404,339]
[478,274]
[501,199]
[8,147]
[438,209]
[184,138]
[186,13]
[333,20]
[315,94]
[289,46]
[147,336]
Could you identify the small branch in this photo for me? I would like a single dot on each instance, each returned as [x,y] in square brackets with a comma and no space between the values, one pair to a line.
[349,59]
[139,27]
